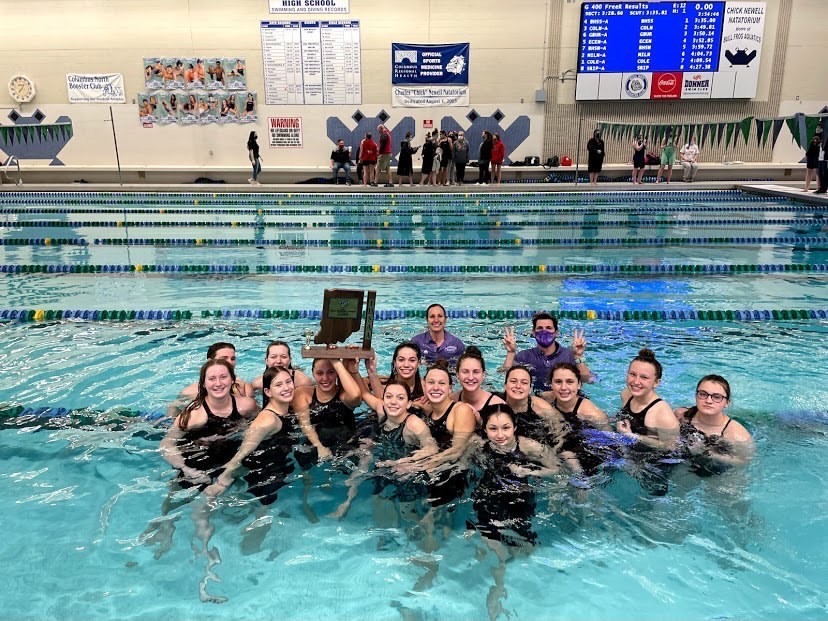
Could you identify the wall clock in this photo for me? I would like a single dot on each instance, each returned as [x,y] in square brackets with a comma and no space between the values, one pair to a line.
[22,88]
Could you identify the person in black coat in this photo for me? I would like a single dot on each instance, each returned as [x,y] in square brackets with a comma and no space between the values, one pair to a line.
[405,165]
[595,161]
[485,157]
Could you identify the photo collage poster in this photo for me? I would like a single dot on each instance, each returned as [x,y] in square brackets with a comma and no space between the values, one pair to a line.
[191,91]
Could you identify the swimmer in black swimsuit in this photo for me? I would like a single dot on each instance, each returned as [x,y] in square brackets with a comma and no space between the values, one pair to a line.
[644,415]
[534,416]
[649,421]
[397,432]
[579,413]
[452,426]
[713,441]
[471,373]
[504,498]
[264,451]
[325,413]
[206,434]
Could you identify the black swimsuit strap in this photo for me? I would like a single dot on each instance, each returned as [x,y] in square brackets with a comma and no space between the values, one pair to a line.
[645,410]
[233,411]
[279,414]
[721,433]
[578,405]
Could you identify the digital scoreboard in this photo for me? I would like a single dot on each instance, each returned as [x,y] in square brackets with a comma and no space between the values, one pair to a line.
[669,50]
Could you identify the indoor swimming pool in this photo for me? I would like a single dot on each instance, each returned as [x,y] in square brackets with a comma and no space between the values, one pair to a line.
[110,301]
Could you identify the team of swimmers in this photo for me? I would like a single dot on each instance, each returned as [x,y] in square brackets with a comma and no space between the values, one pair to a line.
[426,444]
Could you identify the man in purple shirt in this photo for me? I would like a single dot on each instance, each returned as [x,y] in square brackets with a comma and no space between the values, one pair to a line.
[436,342]
[548,352]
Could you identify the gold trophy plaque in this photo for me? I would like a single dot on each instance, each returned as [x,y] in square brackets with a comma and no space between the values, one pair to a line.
[342,317]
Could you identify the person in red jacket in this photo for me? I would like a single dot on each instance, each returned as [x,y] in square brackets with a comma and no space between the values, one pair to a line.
[384,157]
[368,152]
[498,155]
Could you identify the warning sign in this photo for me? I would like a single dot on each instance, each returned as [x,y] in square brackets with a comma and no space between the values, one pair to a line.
[285,131]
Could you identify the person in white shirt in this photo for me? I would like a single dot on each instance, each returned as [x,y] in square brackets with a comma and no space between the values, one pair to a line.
[689,159]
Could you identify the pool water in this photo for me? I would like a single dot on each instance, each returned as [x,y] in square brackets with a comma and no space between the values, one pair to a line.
[81,415]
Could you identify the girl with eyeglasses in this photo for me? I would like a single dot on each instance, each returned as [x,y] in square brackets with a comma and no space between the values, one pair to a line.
[712,440]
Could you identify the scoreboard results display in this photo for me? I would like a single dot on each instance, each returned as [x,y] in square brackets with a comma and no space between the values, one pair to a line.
[669,50]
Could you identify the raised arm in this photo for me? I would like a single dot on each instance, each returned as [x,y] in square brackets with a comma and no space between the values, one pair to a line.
[301,405]
[353,369]
[351,393]
[373,378]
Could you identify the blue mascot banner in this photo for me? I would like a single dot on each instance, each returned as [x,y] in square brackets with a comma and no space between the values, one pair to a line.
[430,64]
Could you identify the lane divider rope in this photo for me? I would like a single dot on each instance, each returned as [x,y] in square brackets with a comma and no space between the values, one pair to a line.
[26,315]
[813,241]
[663,268]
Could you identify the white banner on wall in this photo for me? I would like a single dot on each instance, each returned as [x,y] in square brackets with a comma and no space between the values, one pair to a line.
[285,131]
[309,6]
[102,88]
[742,33]
[428,96]
[311,62]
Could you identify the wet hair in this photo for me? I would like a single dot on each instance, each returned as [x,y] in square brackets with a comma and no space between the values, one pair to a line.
[184,417]
[441,365]
[648,356]
[396,382]
[569,367]
[436,305]
[215,347]
[474,353]
[418,381]
[544,315]
[718,379]
[517,367]
[487,411]
[315,360]
[267,378]
[279,344]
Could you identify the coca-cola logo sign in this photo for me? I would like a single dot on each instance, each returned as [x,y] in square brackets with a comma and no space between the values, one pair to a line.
[666,82]
[666,85]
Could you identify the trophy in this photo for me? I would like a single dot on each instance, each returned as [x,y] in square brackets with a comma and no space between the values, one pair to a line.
[341,317]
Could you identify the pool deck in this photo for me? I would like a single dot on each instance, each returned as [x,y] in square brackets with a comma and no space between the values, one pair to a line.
[790,189]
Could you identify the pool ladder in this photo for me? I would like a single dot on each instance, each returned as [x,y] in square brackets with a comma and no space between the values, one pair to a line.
[12,160]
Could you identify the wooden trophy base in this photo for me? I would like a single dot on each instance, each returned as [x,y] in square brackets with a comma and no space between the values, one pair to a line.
[336,352]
